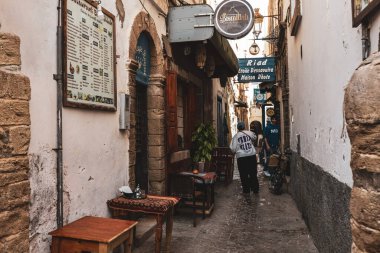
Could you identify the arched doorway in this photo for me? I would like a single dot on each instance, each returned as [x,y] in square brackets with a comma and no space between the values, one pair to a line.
[146,87]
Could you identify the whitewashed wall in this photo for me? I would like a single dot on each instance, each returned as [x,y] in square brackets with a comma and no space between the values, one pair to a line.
[95,152]
[331,50]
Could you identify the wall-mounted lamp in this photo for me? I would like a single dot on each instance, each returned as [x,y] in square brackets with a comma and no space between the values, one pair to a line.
[187,50]
[201,55]
[100,13]
[210,66]
[258,23]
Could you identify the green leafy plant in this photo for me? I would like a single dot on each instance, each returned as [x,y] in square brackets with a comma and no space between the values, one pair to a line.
[204,141]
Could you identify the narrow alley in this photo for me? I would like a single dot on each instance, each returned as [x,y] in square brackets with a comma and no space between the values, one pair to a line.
[115,113]
[258,223]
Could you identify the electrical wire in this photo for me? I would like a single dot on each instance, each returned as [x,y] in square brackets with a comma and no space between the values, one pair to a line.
[144,7]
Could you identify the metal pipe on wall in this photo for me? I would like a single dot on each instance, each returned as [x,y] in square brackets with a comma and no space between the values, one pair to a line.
[59,78]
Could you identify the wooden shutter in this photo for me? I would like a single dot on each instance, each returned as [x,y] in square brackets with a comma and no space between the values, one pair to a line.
[171,111]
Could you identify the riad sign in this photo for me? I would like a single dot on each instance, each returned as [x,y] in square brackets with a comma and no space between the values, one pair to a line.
[257,70]
[233,18]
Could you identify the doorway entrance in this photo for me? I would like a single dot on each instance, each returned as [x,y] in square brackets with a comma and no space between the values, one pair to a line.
[219,122]
[141,168]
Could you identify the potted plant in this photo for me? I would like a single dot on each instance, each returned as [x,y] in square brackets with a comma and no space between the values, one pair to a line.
[203,142]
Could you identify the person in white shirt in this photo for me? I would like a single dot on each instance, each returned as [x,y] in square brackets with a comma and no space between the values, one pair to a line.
[242,146]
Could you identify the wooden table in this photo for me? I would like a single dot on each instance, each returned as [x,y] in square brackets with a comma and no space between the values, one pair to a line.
[206,183]
[159,206]
[93,235]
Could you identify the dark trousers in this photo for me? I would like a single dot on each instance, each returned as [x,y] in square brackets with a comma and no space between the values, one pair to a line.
[248,173]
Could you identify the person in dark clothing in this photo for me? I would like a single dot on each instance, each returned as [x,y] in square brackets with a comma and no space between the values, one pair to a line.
[272,141]
[242,146]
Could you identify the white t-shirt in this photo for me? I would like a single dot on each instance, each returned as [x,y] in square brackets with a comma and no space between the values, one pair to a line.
[242,144]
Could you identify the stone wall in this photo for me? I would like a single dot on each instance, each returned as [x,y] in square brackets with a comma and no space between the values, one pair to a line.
[14,143]
[363,124]
[324,204]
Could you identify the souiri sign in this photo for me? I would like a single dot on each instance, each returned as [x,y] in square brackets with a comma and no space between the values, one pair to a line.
[233,18]
[257,70]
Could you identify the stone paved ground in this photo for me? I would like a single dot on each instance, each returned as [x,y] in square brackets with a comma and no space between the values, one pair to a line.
[263,223]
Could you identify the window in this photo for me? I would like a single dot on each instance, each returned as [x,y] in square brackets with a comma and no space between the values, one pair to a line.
[181,101]
[362,10]
[296,16]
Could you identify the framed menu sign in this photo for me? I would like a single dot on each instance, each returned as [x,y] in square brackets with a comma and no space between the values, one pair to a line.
[89,57]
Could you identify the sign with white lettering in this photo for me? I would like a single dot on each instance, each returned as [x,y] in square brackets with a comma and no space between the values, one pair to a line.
[88,56]
[257,70]
[233,18]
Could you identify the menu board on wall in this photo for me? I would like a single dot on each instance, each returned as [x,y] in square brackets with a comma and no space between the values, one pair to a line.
[89,57]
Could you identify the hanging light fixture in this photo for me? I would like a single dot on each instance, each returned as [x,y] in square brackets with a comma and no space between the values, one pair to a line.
[201,56]
[258,22]
[210,66]
[254,49]
[100,13]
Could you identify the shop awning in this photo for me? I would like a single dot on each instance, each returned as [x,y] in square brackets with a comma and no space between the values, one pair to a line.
[191,25]
[267,85]
[238,103]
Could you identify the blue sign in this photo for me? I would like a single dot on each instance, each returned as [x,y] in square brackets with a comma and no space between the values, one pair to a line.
[259,96]
[142,56]
[257,70]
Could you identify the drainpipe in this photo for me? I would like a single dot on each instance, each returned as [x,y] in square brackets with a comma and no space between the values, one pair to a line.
[365,41]
[59,78]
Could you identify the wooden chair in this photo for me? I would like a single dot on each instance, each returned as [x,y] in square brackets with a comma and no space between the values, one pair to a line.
[189,189]
[222,162]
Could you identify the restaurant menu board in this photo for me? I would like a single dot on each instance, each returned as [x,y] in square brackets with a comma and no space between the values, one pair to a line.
[89,57]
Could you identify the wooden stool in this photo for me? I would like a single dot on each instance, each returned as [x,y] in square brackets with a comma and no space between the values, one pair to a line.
[159,206]
[93,235]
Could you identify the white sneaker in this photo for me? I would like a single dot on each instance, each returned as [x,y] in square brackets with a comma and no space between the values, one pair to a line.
[266,173]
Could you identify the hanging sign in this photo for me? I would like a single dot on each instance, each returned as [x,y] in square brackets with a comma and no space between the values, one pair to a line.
[270,112]
[257,70]
[259,96]
[88,57]
[233,18]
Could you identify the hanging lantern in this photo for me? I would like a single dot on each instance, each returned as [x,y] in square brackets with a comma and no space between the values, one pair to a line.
[258,23]
[210,66]
[200,56]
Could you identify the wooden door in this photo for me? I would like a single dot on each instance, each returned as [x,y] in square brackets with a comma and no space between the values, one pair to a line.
[219,122]
[191,114]
[171,111]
